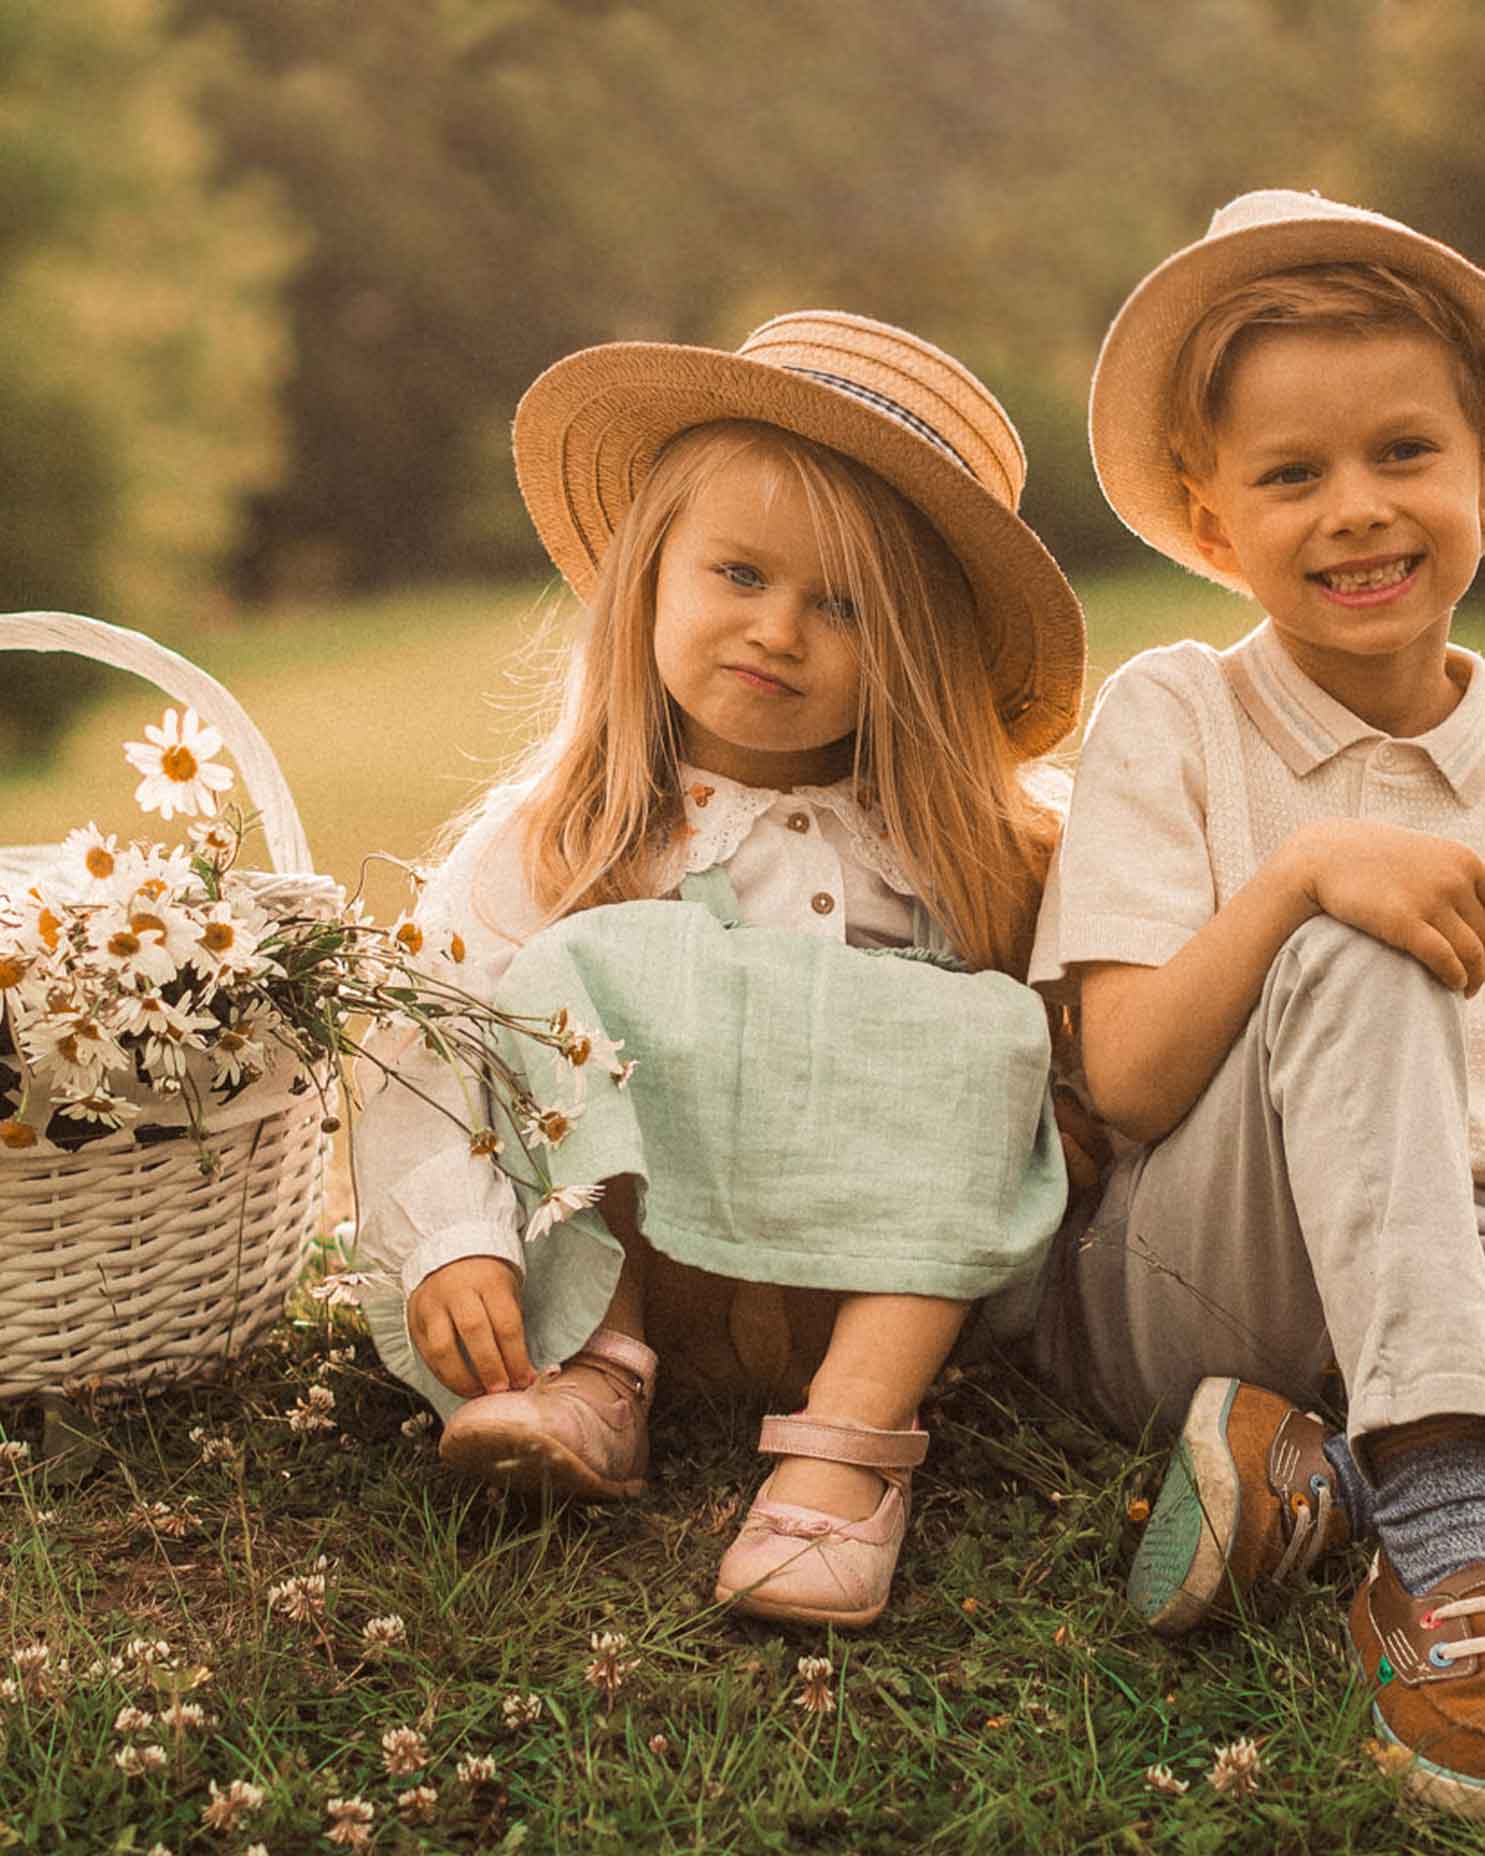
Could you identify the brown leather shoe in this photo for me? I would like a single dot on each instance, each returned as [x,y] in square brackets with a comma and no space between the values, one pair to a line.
[561,1437]
[1248,1496]
[1425,1661]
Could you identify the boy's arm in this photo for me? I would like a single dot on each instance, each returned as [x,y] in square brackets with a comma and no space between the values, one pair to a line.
[1154,1036]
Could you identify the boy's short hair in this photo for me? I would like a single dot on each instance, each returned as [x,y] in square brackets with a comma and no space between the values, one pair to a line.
[1347,299]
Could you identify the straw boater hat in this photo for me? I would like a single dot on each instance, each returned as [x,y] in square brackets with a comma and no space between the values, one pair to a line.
[589,429]
[1255,234]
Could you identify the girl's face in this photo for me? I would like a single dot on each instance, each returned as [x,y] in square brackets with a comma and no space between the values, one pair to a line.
[757,650]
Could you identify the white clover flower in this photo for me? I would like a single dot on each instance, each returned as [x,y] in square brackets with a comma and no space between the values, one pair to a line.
[312,1413]
[226,1809]
[816,1696]
[404,1750]
[343,1289]
[610,1668]
[14,1455]
[179,773]
[135,1761]
[379,1634]
[419,1804]
[1236,1769]
[131,1720]
[222,1449]
[417,1427]
[350,1822]
[301,1598]
[1162,1779]
[521,1711]
[476,1769]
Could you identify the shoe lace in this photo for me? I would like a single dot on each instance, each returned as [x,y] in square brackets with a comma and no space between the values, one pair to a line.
[1308,1530]
[1462,1647]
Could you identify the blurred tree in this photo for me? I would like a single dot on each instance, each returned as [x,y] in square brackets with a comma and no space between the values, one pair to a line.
[489,183]
[139,339]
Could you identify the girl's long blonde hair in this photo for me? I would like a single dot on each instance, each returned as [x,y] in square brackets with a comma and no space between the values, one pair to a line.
[929,745]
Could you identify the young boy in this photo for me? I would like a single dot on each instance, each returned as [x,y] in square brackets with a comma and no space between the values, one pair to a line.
[1271,901]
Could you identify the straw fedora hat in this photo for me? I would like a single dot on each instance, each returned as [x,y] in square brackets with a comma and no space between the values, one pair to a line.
[1253,235]
[588,431]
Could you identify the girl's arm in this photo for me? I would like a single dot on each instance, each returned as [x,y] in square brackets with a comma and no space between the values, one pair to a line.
[1153,1037]
[426,1202]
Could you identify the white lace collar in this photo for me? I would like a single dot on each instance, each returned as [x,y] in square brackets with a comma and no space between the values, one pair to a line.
[719,814]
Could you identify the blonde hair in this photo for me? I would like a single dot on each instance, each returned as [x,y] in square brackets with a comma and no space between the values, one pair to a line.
[928,746]
[1345,299]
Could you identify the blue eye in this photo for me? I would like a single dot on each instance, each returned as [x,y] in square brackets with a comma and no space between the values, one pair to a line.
[1407,450]
[740,574]
[1288,476]
[840,609]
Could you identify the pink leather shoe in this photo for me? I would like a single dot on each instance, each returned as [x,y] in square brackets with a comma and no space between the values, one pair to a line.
[797,1564]
[554,1436]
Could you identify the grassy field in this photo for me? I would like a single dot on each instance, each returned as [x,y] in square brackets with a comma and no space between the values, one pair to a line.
[219,1558]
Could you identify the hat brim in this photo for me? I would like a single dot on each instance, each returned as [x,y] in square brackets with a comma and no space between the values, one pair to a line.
[588,431]
[1129,403]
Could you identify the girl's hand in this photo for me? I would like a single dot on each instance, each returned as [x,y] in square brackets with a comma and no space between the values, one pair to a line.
[1085,1145]
[1422,894]
[465,1320]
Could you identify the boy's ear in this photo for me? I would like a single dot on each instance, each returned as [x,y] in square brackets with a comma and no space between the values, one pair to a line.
[1207,528]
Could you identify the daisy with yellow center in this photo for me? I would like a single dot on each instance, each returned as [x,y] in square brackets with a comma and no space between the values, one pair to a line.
[89,854]
[225,945]
[179,773]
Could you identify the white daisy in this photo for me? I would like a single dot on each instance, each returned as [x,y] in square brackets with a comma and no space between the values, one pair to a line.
[225,945]
[89,858]
[237,1057]
[109,1110]
[560,1203]
[129,947]
[179,773]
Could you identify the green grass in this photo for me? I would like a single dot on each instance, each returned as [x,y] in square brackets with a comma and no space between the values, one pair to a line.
[1009,1701]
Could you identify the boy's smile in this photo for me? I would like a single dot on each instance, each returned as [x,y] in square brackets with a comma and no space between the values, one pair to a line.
[1346,493]
[756,651]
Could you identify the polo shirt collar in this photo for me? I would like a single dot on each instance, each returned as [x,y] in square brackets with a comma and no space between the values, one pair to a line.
[1306,727]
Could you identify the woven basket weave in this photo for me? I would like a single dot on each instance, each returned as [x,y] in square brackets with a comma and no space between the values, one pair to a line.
[120,1264]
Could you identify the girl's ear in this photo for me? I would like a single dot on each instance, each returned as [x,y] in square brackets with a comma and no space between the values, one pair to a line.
[1207,528]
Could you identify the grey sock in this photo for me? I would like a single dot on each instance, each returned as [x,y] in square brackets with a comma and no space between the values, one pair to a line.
[1356,1491]
[1429,1506]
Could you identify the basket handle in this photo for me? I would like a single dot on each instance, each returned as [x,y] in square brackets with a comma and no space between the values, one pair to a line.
[288,849]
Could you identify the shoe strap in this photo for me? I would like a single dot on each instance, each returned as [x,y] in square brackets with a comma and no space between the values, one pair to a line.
[843,1443]
[607,1347]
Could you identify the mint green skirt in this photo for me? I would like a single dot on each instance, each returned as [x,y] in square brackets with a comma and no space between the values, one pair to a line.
[800,1113]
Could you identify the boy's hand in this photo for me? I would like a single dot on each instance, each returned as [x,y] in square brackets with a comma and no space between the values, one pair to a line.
[1422,894]
[465,1320]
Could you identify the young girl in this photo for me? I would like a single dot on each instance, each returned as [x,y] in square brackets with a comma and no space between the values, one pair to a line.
[822,648]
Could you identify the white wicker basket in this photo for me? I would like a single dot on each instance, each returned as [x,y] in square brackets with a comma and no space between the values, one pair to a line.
[120,1264]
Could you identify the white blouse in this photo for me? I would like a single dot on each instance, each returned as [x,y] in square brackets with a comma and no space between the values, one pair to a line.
[814,859]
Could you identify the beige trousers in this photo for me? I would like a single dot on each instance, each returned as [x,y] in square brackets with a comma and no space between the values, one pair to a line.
[1314,1207]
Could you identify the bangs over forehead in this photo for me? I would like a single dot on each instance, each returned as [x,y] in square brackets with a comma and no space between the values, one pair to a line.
[1359,300]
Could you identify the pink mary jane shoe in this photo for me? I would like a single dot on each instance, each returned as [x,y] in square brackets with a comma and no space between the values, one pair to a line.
[554,1436]
[798,1565]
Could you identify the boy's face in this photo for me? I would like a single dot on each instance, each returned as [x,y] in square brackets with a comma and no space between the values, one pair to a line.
[1346,492]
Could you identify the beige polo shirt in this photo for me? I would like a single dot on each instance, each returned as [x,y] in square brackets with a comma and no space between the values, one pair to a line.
[1198,764]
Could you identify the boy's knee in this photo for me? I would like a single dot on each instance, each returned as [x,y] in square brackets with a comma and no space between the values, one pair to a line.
[1355,972]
